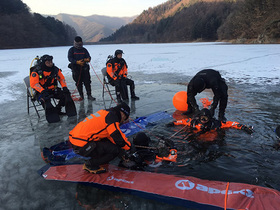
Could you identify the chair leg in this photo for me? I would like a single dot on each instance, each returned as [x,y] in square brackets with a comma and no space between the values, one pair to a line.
[36,109]
[27,103]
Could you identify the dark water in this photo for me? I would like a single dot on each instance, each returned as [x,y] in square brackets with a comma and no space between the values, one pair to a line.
[235,157]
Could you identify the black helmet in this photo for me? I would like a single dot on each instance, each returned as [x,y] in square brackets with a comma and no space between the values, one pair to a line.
[123,107]
[198,84]
[205,115]
[118,52]
[45,58]
[141,139]
[78,39]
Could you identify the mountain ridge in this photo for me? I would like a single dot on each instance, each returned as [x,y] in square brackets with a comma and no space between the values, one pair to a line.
[94,27]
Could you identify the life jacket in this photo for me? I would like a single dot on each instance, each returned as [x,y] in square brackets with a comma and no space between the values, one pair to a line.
[41,80]
[212,125]
[100,125]
[116,70]
[172,157]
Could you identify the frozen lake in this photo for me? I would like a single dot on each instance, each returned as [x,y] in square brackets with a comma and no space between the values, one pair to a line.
[159,71]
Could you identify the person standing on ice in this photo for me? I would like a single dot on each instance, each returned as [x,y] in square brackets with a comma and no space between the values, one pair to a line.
[117,76]
[79,58]
[208,79]
[99,137]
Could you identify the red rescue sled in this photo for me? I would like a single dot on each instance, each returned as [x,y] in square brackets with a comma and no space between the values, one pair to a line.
[180,190]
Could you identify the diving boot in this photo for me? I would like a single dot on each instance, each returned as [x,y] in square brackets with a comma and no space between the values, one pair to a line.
[119,97]
[135,97]
[91,98]
[94,170]
[222,118]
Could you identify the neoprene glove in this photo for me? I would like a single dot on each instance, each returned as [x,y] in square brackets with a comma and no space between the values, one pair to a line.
[65,90]
[86,59]
[80,62]
[45,95]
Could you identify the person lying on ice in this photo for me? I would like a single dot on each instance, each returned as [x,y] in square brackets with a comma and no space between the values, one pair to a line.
[205,122]
[43,79]
[99,136]
[141,154]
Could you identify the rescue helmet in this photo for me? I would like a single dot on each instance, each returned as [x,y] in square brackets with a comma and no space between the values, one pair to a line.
[205,115]
[199,84]
[141,139]
[123,107]
[45,58]
[117,52]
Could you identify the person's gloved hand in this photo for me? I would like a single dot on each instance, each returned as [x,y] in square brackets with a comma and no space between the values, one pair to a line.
[212,111]
[247,129]
[86,60]
[65,90]
[45,95]
[80,62]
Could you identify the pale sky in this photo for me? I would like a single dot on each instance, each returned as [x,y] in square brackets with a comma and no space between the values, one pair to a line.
[116,8]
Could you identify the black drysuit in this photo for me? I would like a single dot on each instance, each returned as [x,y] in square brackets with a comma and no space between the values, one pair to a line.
[208,79]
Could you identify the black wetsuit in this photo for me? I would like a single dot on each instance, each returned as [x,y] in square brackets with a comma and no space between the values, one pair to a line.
[80,74]
[214,81]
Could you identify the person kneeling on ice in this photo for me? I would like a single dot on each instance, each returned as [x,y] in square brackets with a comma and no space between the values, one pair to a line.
[205,122]
[43,78]
[141,154]
[99,137]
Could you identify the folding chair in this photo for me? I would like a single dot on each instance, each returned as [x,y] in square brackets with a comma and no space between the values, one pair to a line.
[106,84]
[31,98]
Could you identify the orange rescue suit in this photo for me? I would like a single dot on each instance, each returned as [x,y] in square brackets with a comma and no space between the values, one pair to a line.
[39,84]
[112,70]
[228,124]
[100,125]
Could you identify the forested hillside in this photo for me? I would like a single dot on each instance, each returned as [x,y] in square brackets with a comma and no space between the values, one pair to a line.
[255,21]
[20,28]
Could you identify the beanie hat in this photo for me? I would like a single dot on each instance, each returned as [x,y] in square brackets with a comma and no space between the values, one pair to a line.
[78,39]
[123,107]
[141,139]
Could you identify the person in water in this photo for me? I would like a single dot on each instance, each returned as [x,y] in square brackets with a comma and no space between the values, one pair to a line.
[204,122]
[141,154]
